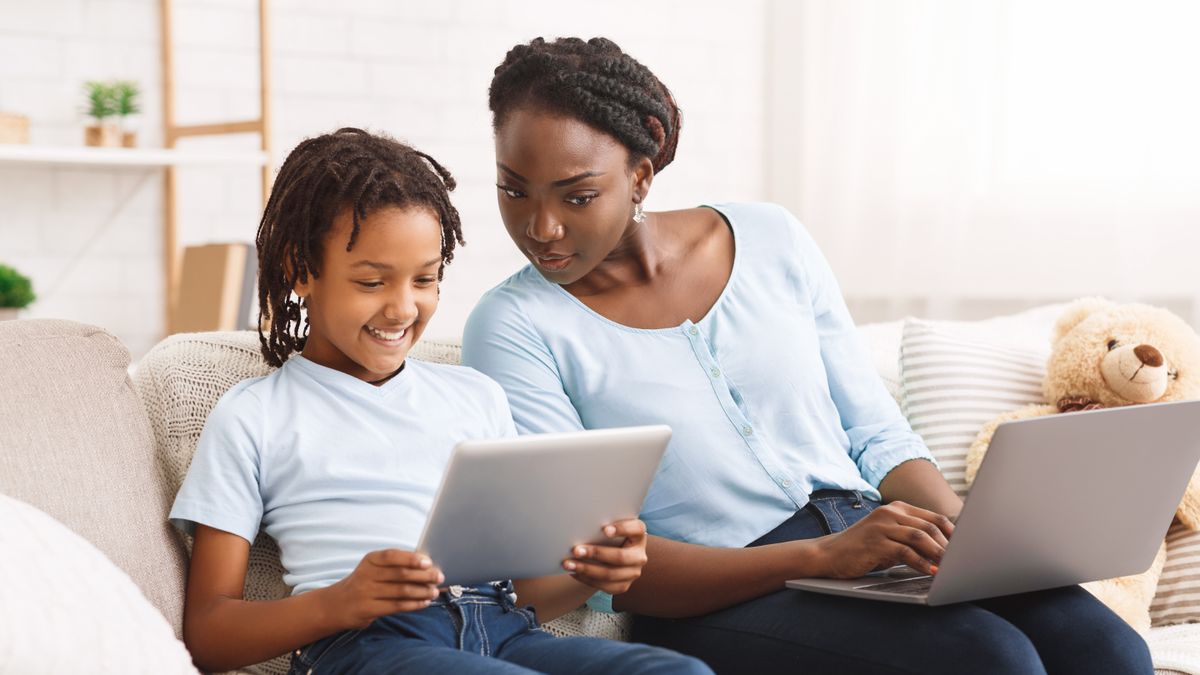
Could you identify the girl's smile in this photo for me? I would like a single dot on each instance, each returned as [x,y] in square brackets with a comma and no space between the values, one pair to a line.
[369,305]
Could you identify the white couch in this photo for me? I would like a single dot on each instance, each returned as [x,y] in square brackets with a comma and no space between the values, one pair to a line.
[103,455]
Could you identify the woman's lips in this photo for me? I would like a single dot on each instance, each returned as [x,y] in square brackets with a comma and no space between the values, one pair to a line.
[553,263]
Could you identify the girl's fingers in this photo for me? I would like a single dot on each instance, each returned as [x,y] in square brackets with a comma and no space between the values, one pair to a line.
[610,555]
[587,572]
[629,528]
[393,606]
[402,591]
[431,575]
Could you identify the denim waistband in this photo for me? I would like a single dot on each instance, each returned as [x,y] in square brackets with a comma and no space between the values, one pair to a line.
[494,593]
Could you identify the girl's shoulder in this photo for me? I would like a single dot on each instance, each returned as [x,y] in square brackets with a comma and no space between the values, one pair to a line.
[464,381]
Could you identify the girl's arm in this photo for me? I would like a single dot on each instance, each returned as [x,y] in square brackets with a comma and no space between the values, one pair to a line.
[224,632]
[592,567]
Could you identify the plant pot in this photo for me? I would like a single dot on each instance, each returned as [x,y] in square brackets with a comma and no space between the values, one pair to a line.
[129,139]
[14,128]
[9,313]
[105,135]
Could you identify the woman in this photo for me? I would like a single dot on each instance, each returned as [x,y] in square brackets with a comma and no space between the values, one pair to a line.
[789,459]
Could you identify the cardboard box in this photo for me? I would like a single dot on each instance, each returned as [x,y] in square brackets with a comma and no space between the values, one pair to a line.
[14,128]
[216,288]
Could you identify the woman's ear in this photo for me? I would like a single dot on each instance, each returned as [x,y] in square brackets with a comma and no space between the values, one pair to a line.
[642,176]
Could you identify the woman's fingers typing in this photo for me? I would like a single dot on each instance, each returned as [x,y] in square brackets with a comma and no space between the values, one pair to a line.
[895,533]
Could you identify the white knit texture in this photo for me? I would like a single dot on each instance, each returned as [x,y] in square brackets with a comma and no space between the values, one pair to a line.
[65,608]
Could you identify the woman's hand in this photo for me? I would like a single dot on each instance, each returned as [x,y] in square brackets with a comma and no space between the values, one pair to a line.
[893,534]
[385,582]
[611,569]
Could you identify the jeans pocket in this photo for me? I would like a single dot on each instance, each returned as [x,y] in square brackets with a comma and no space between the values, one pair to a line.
[308,658]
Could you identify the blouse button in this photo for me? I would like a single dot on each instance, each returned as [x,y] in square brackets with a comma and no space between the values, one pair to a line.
[694,331]
[716,372]
[747,430]
[786,483]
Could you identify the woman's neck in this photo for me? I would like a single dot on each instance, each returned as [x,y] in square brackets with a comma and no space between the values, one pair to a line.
[639,257]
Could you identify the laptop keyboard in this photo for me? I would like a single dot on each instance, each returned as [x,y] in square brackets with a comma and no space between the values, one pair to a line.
[918,586]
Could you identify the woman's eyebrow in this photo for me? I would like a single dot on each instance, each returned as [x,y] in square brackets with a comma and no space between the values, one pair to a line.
[558,183]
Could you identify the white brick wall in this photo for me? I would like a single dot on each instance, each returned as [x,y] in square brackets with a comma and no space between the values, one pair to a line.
[417,70]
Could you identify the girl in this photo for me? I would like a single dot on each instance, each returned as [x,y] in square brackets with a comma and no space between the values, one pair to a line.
[788,458]
[337,454]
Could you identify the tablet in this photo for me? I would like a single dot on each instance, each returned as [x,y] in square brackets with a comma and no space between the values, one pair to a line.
[512,508]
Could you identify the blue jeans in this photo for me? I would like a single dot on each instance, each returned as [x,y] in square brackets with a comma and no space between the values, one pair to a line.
[1062,630]
[480,630]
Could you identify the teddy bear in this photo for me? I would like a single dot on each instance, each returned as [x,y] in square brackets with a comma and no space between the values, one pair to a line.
[1106,354]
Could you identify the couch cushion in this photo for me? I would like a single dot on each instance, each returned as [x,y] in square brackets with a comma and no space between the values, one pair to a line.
[66,608]
[1177,598]
[75,443]
[952,383]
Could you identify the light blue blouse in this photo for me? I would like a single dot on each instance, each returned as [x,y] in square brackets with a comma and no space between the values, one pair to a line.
[771,395]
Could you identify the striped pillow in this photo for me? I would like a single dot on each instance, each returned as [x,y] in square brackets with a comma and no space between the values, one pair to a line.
[952,383]
[1177,599]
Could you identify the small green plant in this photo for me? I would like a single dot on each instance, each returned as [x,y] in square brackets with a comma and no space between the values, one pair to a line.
[101,101]
[16,291]
[125,95]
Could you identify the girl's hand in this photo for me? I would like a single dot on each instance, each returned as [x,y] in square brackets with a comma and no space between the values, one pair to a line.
[385,582]
[893,534]
[611,569]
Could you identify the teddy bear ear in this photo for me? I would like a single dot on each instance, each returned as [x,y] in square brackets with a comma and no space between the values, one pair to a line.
[1076,312]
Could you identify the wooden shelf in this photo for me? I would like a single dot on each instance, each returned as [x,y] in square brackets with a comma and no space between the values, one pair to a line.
[32,155]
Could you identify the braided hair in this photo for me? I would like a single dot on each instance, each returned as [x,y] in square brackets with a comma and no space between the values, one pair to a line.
[323,175]
[595,82]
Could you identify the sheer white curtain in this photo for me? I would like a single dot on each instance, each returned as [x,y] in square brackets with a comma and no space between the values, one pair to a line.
[956,151]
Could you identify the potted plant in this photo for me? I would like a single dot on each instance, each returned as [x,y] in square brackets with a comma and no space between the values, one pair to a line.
[101,106]
[126,95]
[16,292]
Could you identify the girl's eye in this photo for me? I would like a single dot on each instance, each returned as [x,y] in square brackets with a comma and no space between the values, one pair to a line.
[580,200]
[425,281]
[1112,344]
[510,192]
[369,284]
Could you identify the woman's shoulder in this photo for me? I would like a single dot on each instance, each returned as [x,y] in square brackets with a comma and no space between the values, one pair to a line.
[514,305]
[756,214]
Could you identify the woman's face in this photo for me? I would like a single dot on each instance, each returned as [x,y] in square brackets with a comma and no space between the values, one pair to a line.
[566,192]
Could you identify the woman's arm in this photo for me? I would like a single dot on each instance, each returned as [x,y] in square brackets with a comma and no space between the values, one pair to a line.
[225,632]
[920,483]
[683,580]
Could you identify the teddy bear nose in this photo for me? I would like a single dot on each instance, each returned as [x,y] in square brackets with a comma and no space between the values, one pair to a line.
[1148,355]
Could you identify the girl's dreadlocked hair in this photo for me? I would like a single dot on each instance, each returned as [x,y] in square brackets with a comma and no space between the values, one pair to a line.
[594,82]
[348,168]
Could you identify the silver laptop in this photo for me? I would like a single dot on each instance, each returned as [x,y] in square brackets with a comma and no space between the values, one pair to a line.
[1058,500]
[513,508]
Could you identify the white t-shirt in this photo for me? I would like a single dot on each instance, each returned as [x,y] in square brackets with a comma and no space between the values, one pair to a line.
[333,467]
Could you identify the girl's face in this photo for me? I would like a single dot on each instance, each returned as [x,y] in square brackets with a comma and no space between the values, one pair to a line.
[566,192]
[371,303]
